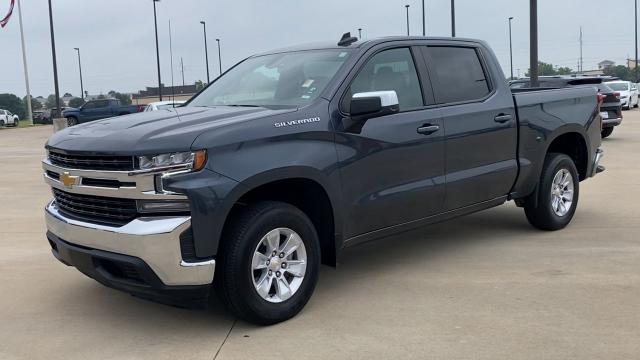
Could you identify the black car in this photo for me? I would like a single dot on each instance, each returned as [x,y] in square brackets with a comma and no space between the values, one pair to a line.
[610,104]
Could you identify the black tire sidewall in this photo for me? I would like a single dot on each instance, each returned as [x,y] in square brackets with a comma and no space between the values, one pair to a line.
[606,132]
[238,282]
[556,162]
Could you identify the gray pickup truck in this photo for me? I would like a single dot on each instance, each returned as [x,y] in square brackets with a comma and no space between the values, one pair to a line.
[293,155]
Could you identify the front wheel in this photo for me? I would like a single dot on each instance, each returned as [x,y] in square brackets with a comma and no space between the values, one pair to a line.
[269,262]
[71,121]
[557,196]
[606,132]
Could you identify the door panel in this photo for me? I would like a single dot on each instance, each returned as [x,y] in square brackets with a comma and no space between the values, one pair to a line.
[480,126]
[392,172]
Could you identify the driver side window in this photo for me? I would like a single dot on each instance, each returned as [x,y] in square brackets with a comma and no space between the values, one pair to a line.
[392,69]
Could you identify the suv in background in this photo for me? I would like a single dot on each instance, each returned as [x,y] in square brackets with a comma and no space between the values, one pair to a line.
[628,96]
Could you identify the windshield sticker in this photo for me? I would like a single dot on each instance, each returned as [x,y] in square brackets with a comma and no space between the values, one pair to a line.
[307,83]
[297,122]
[342,54]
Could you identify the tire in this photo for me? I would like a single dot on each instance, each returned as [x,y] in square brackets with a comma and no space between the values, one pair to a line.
[543,214]
[16,123]
[606,132]
[238,280]
[1,123]
[71,121]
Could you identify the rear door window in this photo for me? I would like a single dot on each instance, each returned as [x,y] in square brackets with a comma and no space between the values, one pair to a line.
[459,74]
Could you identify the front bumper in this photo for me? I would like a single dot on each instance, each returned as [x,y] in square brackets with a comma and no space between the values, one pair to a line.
[152,245]
[596,167]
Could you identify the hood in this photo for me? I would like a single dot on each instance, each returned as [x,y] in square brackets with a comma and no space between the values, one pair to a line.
[152,132]
[71,109]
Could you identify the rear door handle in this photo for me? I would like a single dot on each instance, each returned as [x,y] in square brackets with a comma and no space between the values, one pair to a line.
[502,118]
[427,129]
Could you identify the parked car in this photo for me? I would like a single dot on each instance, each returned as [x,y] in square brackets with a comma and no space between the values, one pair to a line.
[610,104]
[342,144]
[163,105]
[628,97]
[41,117]
[635,93]
[98,109]
[8,118]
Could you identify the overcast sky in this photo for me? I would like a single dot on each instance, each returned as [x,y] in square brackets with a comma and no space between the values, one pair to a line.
[118,50]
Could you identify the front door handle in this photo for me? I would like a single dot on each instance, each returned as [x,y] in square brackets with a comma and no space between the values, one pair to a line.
[502,118]
[427,129]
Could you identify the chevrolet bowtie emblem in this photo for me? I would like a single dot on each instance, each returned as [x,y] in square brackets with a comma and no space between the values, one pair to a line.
[68,180]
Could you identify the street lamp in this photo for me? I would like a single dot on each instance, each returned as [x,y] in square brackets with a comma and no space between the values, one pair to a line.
[155,22]
[424,21]
[510,48]
[453,18]
[55,65]
[360,33]
[407,6]
[635,13]
[219,57]
[206,51]
[80,67]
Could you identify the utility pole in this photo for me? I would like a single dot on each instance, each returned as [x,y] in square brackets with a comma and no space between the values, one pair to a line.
[533,42]
[155,22]
[453,18]
[510,47]
[24,62]
[206,50]
[219,57]
[80,68]
[182,70]
[55,65]
[635,13]
[173,92]
[359,33]
[407,7]
[424,21]
[581,63]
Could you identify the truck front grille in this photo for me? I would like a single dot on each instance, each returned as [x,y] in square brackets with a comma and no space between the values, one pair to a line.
[96,209]
[92,162]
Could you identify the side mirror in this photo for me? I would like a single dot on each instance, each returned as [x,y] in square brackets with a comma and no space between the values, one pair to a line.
[367,105]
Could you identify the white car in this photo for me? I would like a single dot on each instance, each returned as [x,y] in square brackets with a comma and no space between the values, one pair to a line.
[628,96]
[7,118]
[163,105]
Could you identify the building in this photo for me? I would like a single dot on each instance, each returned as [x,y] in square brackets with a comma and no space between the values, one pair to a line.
[631,63]
[151,94]
[605,64]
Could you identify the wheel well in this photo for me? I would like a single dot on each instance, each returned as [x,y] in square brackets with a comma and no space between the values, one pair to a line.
[574,146]
[308,196]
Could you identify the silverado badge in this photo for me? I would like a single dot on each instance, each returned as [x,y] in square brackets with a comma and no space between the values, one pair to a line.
[68,180]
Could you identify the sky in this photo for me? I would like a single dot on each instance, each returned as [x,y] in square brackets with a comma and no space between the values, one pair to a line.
[116,37]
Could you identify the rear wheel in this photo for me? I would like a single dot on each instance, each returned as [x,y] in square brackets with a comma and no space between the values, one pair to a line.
[1,122]
[606,132]
[269,263]
[16,123]
[557,195]
[71,121]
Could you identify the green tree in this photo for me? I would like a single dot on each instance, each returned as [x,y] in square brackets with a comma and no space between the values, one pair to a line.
[51,102]
[12,103]
[76,102]
[35,104]
[620,71]
[101,97]
[199,85]
[564,71]
[547,69]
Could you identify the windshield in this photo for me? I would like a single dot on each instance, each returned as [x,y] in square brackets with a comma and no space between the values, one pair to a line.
[619,86]
[277,80]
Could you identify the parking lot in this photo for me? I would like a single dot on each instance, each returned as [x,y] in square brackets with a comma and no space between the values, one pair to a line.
[486,286]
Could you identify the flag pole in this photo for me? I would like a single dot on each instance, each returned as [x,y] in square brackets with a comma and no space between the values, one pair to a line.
[24,61]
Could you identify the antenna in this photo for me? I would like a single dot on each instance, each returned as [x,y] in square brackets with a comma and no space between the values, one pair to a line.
[347,39]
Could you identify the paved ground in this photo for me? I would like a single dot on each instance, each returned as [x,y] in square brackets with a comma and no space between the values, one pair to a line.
[486,286]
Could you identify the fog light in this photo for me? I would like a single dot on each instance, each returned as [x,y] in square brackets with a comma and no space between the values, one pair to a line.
[155,206]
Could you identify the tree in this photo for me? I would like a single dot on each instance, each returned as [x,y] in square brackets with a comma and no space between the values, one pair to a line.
[199,85]
[35,104]
[12,103]
[101,97]
[76,102]
[545,69]
[67,95]
[620,71]
[125,99]
[51,102]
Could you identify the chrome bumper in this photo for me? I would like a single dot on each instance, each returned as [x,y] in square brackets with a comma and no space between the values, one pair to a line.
[155,240]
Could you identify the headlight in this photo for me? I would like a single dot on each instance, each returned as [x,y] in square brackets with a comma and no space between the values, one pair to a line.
[190,160]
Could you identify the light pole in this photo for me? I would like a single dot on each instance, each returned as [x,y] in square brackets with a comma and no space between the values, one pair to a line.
[80,67]
[55,65]
[510,47]
[359,33]
[635,13]
[407,6]
[533,42]
[155,22]
[453,18]
[206,50]
[24,62]
[219,57]
[424,21]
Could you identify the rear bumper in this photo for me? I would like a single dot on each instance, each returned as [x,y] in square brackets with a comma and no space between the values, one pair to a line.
[611,122]
[596,167]
[142,257]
